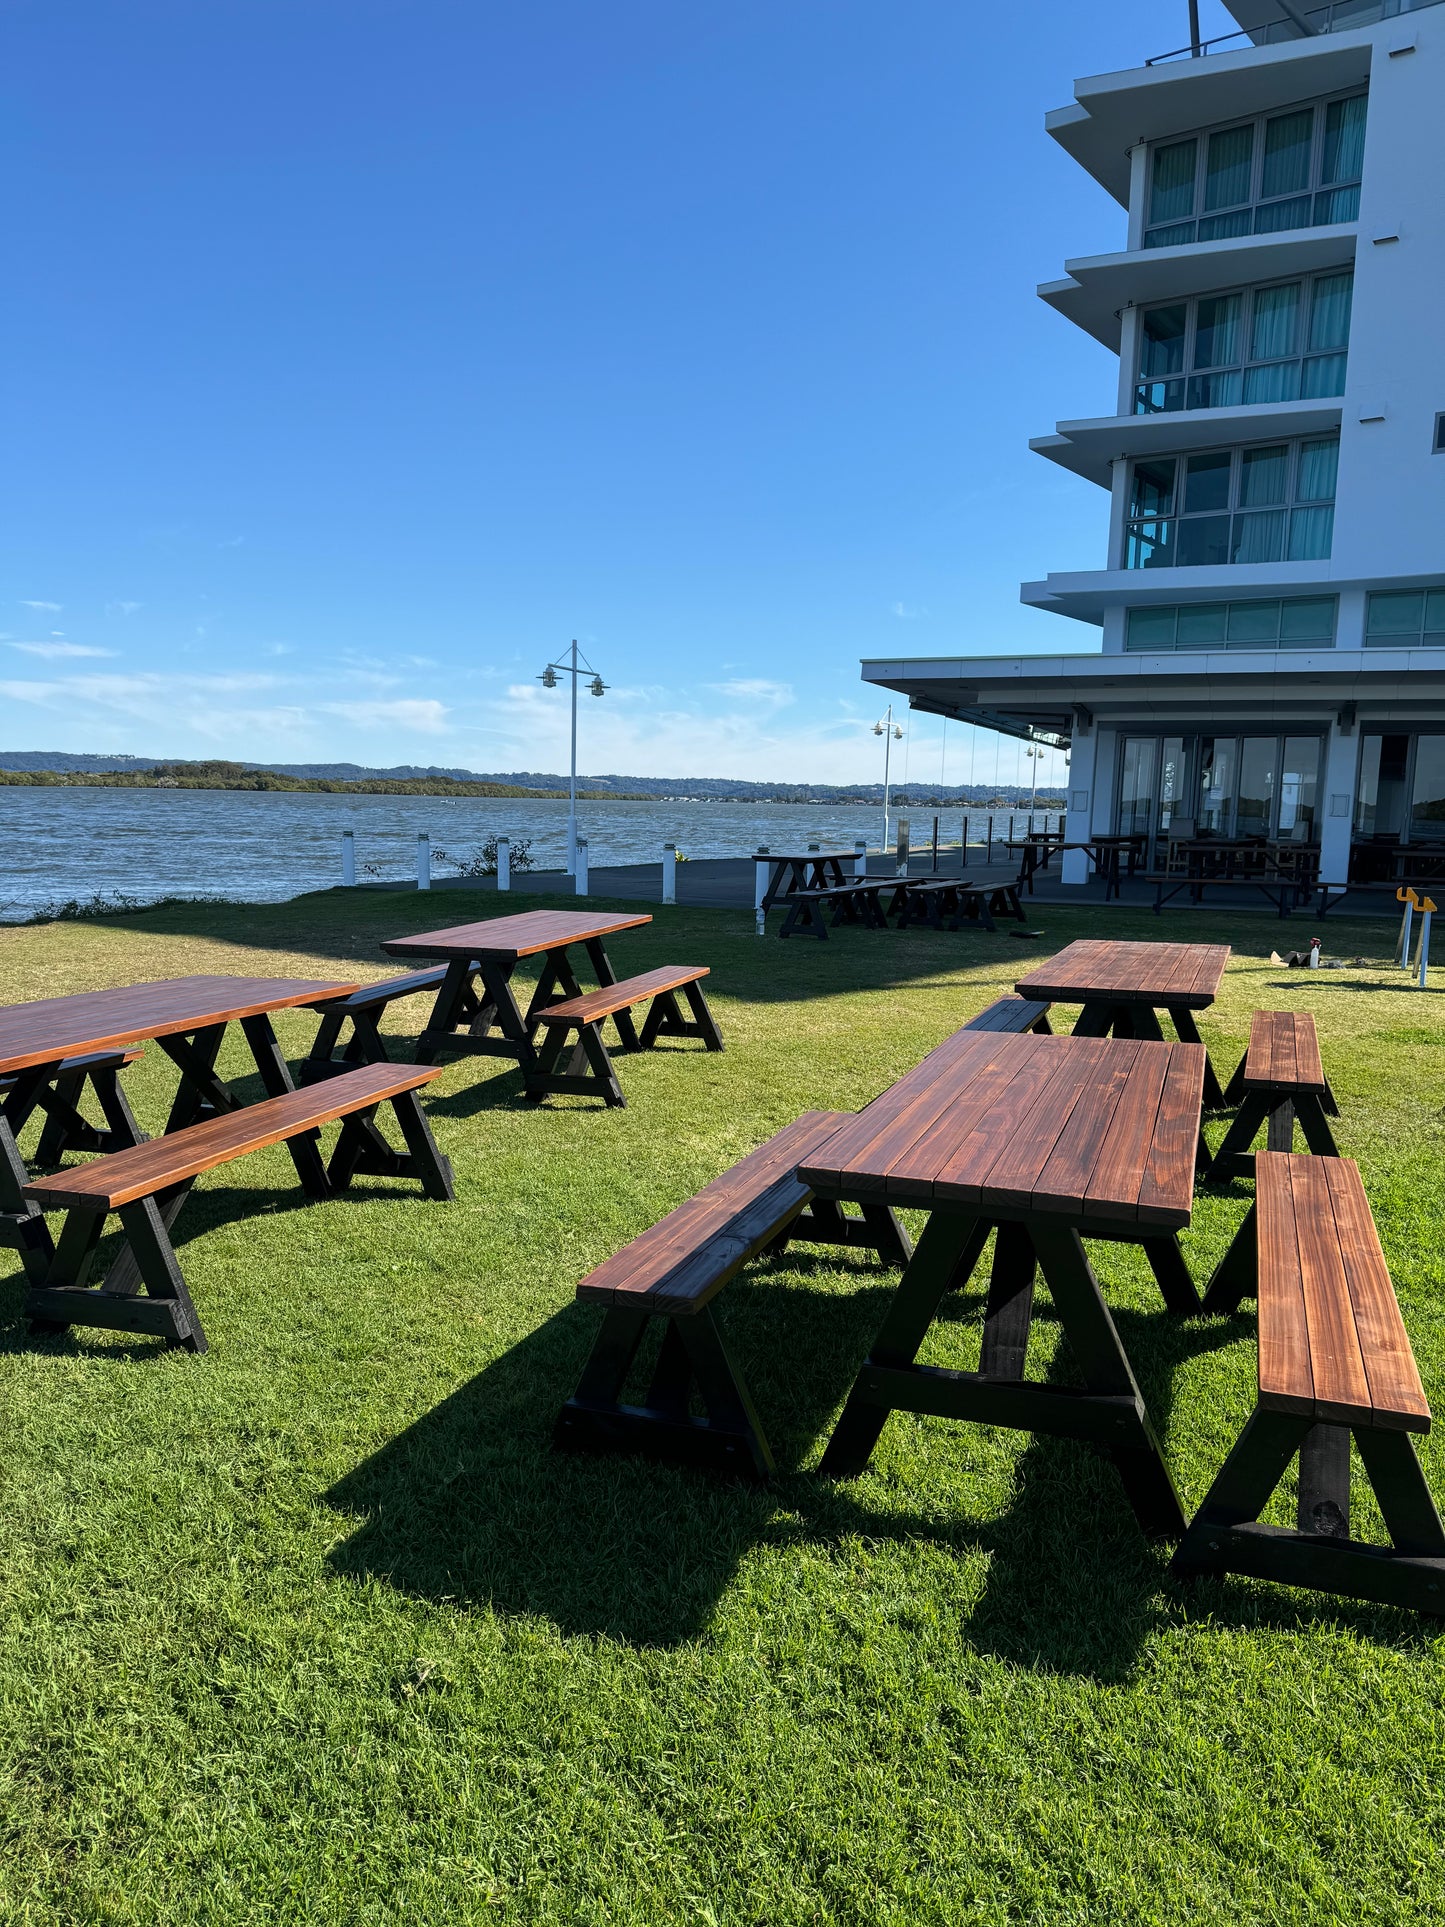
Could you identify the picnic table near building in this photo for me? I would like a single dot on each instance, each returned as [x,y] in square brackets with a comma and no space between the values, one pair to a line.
[790,871]
[1108,854]
[1121,985]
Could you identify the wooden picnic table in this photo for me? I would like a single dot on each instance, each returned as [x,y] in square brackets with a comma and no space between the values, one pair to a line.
[464,1020]
[1047,1141]
[187,1017]
[792,870]
[1121,985]
[1104,852]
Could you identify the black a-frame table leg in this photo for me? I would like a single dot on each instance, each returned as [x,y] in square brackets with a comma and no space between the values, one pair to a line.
[64,1296]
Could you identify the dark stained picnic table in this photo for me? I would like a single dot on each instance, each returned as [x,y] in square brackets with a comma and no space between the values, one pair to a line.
[1121,985]
[187,1017]
[464,1020]
[806,870]
[1049,1140]
[1104,852]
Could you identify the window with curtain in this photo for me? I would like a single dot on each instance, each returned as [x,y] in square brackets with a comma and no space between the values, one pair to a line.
[1299,168]
[1282,342]
[1266,503]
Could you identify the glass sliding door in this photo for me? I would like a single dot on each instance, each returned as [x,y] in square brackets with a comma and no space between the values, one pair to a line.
[1298,790]
[1258,771]
[1138,785]
[1234,786]
[1218,763]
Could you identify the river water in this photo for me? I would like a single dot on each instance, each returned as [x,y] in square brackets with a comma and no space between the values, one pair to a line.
[262,846]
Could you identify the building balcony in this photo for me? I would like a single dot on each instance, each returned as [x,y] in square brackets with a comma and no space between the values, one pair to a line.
[1263,25]
[1097,288]
[1113,113]
[1090,448]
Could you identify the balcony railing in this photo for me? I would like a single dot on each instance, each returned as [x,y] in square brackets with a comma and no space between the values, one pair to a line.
[1338,17]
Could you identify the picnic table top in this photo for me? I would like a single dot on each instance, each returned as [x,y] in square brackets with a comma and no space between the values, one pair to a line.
[1086,1127]
[803,856]
[524,935]
[1117,972]
[54,1027]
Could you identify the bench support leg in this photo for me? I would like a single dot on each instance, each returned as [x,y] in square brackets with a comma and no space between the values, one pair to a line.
[1172,1274]
[1009,1313]
[1226,1536]
[694,1358]
[543,1079]
[1236,1276]
[67,1298]
[362,1149]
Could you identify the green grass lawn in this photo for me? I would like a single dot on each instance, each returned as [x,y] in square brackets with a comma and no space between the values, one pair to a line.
[318,1629]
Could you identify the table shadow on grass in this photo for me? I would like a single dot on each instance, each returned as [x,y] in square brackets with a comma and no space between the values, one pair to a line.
[472,1506]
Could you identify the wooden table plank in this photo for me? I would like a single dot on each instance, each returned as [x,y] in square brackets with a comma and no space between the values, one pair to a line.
[1068,1174]
[951,1164]
[50,1028]
[1053,1151]
[1167,1188]
[893,1111]
[1113,1189]
[525,935]
[1118,971]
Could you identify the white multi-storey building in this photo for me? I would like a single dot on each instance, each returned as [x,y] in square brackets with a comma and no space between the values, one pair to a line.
[1272,604]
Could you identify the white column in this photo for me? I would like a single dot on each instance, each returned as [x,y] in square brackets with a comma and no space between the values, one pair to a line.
[348,858]
[761,866]
[504,863]
[669,873]
[423,860]
[581,866]
[1337,801]
[1079,819]
[860,858]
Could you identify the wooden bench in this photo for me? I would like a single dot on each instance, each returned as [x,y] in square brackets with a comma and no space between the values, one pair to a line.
[674,1272]
[1012,1015]
[1335,1365]
[958,900]
[587,1014]
[857,901]
[363,1010]
[1279,1078]
[148,1183]
[58,1094]
[1284,892]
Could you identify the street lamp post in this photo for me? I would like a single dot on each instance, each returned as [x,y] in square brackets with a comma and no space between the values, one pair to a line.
[1034,751]
[573,664]
[891,733]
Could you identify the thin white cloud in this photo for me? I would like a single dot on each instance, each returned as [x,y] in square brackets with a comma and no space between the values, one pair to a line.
[754,689]
[122,608]
[53,608]
[909,611]
[423,714]
[54,651]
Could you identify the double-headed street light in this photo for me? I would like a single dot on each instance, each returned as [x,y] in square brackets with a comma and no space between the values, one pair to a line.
[891,733]
[573,664]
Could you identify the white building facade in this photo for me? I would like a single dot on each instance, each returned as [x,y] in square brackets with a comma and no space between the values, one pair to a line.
[1269,655]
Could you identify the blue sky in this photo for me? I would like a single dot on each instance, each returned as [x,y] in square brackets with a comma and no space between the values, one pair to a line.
[359,355]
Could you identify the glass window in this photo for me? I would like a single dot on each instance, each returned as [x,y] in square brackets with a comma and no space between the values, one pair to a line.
[1217,757]
[1171,195]
[1205,623]
[1253,621]
[1249,345]
[1229,168]
[1152,628]
[1288,139]
[1276,172]
[1407,618]
[1281,496]
[1380,803]
[1254,809]
[1427,791]
[1307,619]
[1298,787]
[1344,155]
[1137,784]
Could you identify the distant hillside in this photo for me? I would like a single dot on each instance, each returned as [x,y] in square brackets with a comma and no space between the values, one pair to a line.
[61,767]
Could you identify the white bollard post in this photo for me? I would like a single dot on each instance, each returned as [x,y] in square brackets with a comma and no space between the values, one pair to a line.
[581,871]
[1427,910]
[504,863]
[423,860]
[761,866]
[860,859]
[669,873]
[348,858]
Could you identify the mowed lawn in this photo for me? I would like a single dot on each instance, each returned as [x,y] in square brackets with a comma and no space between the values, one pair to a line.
[317,1628]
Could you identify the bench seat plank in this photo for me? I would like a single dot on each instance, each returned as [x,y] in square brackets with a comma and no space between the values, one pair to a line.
[595,1005]
[692,1252]
[387,989]
[1332,1343]
[123,1176]
[1284,1050]
[1011,1014]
